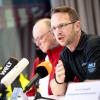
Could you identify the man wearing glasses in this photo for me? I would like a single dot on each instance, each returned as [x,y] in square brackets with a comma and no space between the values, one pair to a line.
[81,55]
[45,40]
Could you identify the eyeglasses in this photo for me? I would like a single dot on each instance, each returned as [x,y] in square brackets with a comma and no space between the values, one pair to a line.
[61,26]
[40,38]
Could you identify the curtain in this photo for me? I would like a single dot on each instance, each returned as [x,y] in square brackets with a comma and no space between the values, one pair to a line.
[9,45]
[17,18]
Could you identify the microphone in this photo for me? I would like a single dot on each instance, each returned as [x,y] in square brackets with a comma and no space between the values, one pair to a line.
[42,70]
[14,73]
[8,66]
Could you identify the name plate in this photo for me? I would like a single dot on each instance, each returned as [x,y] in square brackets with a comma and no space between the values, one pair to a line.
[83,91]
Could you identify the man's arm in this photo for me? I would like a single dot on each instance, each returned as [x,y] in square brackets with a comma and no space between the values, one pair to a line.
[58,86]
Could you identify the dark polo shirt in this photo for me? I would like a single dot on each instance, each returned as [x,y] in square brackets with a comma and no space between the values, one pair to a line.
[84,62]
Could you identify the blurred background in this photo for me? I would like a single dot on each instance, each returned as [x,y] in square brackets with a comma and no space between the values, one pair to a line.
[17,18]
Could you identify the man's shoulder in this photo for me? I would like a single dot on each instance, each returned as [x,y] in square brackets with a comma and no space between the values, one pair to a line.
[93,40]
[92,43]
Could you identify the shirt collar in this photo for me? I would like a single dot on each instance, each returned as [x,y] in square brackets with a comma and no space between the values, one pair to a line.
[82,42]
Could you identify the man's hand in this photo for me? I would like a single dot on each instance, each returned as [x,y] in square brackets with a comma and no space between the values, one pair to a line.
[58,86]
[60,72]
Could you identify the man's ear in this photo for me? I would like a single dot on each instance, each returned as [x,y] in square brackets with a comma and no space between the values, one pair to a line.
[77,26]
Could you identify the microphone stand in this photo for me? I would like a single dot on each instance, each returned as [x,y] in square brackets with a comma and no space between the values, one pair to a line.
[38,95]
[3,92]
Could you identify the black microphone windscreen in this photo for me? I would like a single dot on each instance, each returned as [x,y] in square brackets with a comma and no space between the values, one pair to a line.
[42,71]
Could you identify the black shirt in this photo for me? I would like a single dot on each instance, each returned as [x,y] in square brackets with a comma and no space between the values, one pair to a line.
[85,60]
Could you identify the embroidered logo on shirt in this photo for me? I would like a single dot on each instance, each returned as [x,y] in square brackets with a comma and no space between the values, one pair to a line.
[91,67]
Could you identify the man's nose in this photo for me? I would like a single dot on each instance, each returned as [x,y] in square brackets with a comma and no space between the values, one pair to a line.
[58,31]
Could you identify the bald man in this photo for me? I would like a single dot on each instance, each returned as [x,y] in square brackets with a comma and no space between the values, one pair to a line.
[46,41]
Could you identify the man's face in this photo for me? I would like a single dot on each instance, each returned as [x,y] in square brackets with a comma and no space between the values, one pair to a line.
[63,29]
[40,35]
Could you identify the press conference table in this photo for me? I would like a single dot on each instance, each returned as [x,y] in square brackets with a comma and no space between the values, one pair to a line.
[77,91]
[80,91]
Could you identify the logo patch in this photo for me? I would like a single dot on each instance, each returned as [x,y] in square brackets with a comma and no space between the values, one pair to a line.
[91,67]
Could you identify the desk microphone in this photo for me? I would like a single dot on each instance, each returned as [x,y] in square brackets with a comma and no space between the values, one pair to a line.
[42,70]
[11,76]
[8,66]
[14,73]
